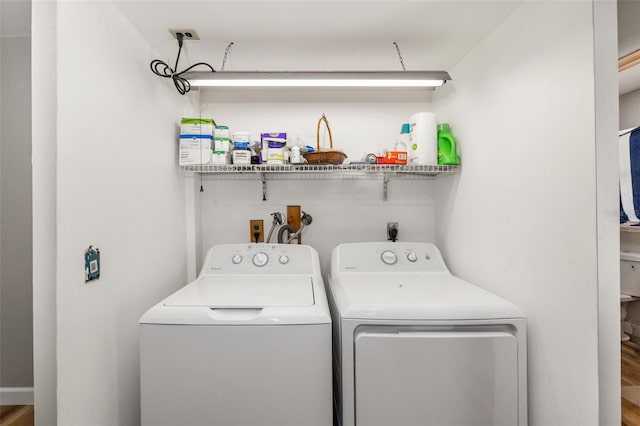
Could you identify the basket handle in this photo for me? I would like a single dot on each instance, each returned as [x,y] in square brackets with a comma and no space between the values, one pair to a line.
[326,122]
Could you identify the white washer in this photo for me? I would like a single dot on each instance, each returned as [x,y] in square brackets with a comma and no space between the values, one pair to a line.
[415,345]
[247,343]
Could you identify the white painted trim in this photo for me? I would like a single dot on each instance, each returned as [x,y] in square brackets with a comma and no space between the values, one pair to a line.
[16,396]
[190,203]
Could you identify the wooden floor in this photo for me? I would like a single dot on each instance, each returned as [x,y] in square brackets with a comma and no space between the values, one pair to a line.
[630,375]
[16,415]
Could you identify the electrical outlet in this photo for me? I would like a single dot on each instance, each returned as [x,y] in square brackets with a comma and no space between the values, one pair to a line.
[256,229]
[391,227]
[188,34]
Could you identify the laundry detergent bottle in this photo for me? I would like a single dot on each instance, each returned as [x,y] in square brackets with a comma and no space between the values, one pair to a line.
[447,154]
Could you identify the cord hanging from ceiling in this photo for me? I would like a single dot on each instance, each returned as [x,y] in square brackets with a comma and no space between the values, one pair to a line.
[226,53]
[400,56]
[162,69]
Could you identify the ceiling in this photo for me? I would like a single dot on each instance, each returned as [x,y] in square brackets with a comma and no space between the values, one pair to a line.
[431,34]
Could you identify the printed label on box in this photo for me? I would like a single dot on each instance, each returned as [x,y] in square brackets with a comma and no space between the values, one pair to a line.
[395,157]
[194,149]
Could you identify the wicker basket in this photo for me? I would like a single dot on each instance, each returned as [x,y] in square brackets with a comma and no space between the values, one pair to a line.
[325,156]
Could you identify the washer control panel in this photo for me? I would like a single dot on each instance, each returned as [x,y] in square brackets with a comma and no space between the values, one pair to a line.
[260,259]
[396,257]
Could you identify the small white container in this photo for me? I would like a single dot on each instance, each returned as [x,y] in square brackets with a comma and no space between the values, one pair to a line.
[220,158]
[240,137]
[222,144]
[295,157]
[221,132]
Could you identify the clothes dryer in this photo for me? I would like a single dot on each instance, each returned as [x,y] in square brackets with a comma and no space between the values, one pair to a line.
[247,343]
[415,345]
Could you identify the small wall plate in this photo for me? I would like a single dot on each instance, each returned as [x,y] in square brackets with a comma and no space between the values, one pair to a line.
[189,34]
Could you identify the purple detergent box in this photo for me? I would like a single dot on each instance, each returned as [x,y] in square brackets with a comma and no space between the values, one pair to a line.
[271,140]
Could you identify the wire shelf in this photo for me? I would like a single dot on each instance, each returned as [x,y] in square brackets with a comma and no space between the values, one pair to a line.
[324,171]
[265,172]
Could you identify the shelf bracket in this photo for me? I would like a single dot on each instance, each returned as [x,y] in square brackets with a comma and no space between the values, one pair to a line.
[385,182]
[263,179]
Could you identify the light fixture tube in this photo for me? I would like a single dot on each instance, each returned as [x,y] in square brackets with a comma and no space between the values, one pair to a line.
[382,79]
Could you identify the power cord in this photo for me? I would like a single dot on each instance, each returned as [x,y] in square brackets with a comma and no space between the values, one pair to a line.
[393,234]
[162,69]
[256,233]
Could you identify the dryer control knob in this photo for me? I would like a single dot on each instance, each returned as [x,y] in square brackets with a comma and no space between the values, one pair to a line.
[260,259]
[284,259]
[389,257]
[411,257]
[236,259]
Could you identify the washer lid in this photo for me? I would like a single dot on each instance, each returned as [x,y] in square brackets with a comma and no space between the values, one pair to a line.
[245,291]
[417,296]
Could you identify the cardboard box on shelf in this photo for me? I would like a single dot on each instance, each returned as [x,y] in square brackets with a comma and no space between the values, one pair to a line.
[277,138]
[395,157]
[194,149]
[196,126]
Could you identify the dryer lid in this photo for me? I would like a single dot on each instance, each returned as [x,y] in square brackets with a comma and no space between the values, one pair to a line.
[428,296]
[245,291]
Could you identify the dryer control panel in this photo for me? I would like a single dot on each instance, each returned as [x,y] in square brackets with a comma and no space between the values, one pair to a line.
[385,257]
[260,259]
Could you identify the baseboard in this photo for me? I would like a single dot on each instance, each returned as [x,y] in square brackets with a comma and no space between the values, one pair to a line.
[16,396]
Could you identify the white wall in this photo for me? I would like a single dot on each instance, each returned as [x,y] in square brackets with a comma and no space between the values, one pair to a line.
[342,210]
[16,346]
[521,218]
[117,189]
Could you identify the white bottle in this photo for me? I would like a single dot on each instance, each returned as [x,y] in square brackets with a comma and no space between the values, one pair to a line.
[423,145]
[403,141]
[295,157]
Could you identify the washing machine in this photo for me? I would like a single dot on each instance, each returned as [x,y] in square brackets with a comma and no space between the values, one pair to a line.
[415,345]
[247,343]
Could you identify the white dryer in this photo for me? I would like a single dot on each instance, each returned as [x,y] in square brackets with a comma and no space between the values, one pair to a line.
[247,343]
[414,345]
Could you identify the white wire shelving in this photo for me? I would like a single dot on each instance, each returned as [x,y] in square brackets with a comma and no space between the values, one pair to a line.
[266,172]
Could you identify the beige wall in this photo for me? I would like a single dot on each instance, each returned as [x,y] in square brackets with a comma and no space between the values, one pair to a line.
[630,110]
[16,347]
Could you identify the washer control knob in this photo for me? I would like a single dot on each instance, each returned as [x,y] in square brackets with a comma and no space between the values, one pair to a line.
[411,257]
[389,257]
[284,259]
[236,259]
[260,259]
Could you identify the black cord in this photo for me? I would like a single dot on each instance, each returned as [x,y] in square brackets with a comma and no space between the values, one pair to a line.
[393,234]
[162,69]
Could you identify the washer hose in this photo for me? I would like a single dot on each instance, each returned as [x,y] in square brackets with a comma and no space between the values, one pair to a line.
[283,229]
[306,220]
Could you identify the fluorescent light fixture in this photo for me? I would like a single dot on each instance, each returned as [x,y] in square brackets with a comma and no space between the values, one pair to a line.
[382,79]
